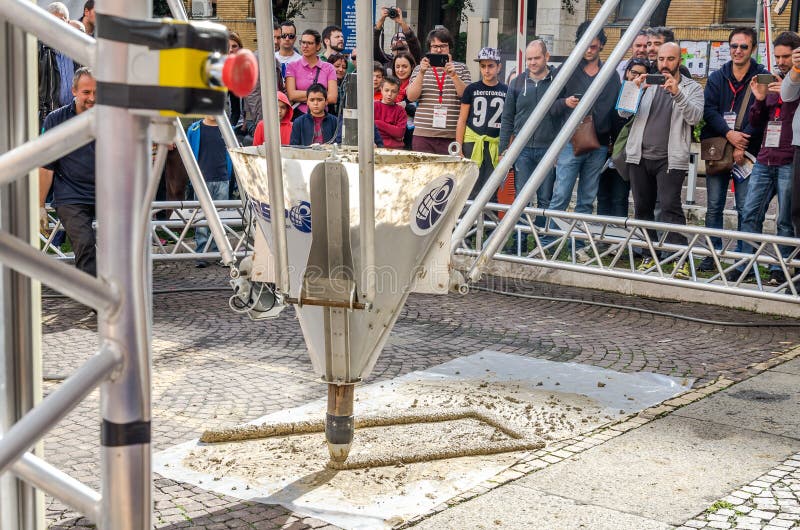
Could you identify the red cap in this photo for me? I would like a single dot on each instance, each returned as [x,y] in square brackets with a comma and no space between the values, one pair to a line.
[240,73]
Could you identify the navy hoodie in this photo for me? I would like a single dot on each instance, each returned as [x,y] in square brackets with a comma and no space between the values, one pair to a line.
[719,99]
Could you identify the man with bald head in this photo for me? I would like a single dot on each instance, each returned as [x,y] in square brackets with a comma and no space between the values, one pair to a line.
[657,156]
[524,94]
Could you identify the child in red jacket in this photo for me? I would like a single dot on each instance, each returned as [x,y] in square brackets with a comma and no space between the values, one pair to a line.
[390,118]
[285,113]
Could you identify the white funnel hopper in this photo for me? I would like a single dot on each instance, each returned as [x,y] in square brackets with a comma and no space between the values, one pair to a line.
[418,198]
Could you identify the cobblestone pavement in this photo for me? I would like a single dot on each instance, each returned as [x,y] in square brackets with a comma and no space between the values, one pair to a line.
[212,367]
[771,502]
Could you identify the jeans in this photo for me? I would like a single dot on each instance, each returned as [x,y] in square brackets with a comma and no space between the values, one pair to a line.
[585,169]
[219,192]
[526,163]
[717,193]
[766,181]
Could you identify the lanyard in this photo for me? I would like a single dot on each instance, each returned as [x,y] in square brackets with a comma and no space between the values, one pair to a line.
[735,93]
[778,109]
[439,82]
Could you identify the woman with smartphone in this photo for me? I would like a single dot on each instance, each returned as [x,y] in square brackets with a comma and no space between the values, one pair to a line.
[437,85]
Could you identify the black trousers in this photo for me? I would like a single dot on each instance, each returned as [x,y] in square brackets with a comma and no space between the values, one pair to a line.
[77,220]
[651,182]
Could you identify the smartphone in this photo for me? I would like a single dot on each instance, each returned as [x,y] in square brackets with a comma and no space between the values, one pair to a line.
[655,79]
[765,79]
[577,96]
[437,59]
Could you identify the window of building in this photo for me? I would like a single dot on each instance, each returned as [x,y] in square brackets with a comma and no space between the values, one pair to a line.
[740,11]
[627,9]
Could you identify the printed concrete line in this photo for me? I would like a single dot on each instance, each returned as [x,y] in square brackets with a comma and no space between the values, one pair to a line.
[561,450]
[564,449]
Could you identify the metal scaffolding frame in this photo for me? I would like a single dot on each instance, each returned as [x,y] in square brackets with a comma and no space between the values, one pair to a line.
[615,247]
[120,293]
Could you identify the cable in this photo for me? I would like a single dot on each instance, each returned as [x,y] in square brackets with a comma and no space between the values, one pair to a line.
[158,291]
[641,310]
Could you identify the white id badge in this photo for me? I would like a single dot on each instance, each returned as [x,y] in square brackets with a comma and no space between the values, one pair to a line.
[730,119]
[439,117]
[773,136]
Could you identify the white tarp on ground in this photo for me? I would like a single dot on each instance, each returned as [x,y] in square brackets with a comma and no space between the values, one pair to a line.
[552,399]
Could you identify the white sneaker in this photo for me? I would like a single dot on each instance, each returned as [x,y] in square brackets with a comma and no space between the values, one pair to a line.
[583,255]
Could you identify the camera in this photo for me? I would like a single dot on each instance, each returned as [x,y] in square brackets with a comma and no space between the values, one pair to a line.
[392,12]
[655,79]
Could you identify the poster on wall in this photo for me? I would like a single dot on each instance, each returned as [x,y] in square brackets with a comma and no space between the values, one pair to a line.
[694,55]
[349,23]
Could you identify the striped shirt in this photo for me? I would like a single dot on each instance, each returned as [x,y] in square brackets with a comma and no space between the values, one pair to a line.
[429,98]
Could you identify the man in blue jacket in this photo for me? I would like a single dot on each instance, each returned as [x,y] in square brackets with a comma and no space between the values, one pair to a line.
[724,93]
[211,154]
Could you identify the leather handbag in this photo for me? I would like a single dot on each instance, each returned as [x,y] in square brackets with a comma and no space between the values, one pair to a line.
[717,152]
[585,139]
[718,155]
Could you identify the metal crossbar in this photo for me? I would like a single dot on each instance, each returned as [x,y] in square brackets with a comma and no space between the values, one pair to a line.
[171,239]
[617,247]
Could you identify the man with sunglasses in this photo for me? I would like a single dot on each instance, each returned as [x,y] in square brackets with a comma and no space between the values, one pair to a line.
[286,52]
[725,90]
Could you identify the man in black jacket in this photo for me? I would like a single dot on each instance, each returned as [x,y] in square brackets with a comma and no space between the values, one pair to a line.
[402,41]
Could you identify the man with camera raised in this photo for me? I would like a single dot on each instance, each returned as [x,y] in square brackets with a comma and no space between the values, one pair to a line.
[658,156]
[404,40]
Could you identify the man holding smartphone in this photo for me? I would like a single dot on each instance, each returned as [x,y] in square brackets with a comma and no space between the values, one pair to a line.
[585,168]
[772,172]
[438,91]
[658,156]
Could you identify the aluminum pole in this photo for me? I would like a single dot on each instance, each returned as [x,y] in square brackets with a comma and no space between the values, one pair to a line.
[272,142]
[499,235]
[204,196]
[123,166]
[35,424]
[366,153]
[58,484]
[21,505]
[76,284]
[536,117]
[52,145]
[50,30]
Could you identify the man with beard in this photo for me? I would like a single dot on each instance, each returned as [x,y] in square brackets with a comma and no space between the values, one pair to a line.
[403,41]
[332,44]
[638,51]
[658,156]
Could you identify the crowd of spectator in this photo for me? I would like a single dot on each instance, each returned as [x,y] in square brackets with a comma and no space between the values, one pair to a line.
[425,100]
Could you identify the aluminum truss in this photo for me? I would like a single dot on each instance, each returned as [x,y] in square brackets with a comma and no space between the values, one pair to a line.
[616,247]
[171,238]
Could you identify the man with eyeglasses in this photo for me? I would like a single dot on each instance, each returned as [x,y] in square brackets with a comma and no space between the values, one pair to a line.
[725,90]
[405,40]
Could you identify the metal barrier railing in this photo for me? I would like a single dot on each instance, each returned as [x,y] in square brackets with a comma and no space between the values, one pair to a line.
[171,239]
[616,247]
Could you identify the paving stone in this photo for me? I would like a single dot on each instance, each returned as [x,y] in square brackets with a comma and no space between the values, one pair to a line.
[212,366]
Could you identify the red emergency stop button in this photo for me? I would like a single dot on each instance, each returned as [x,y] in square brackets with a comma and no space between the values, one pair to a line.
[240,73]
